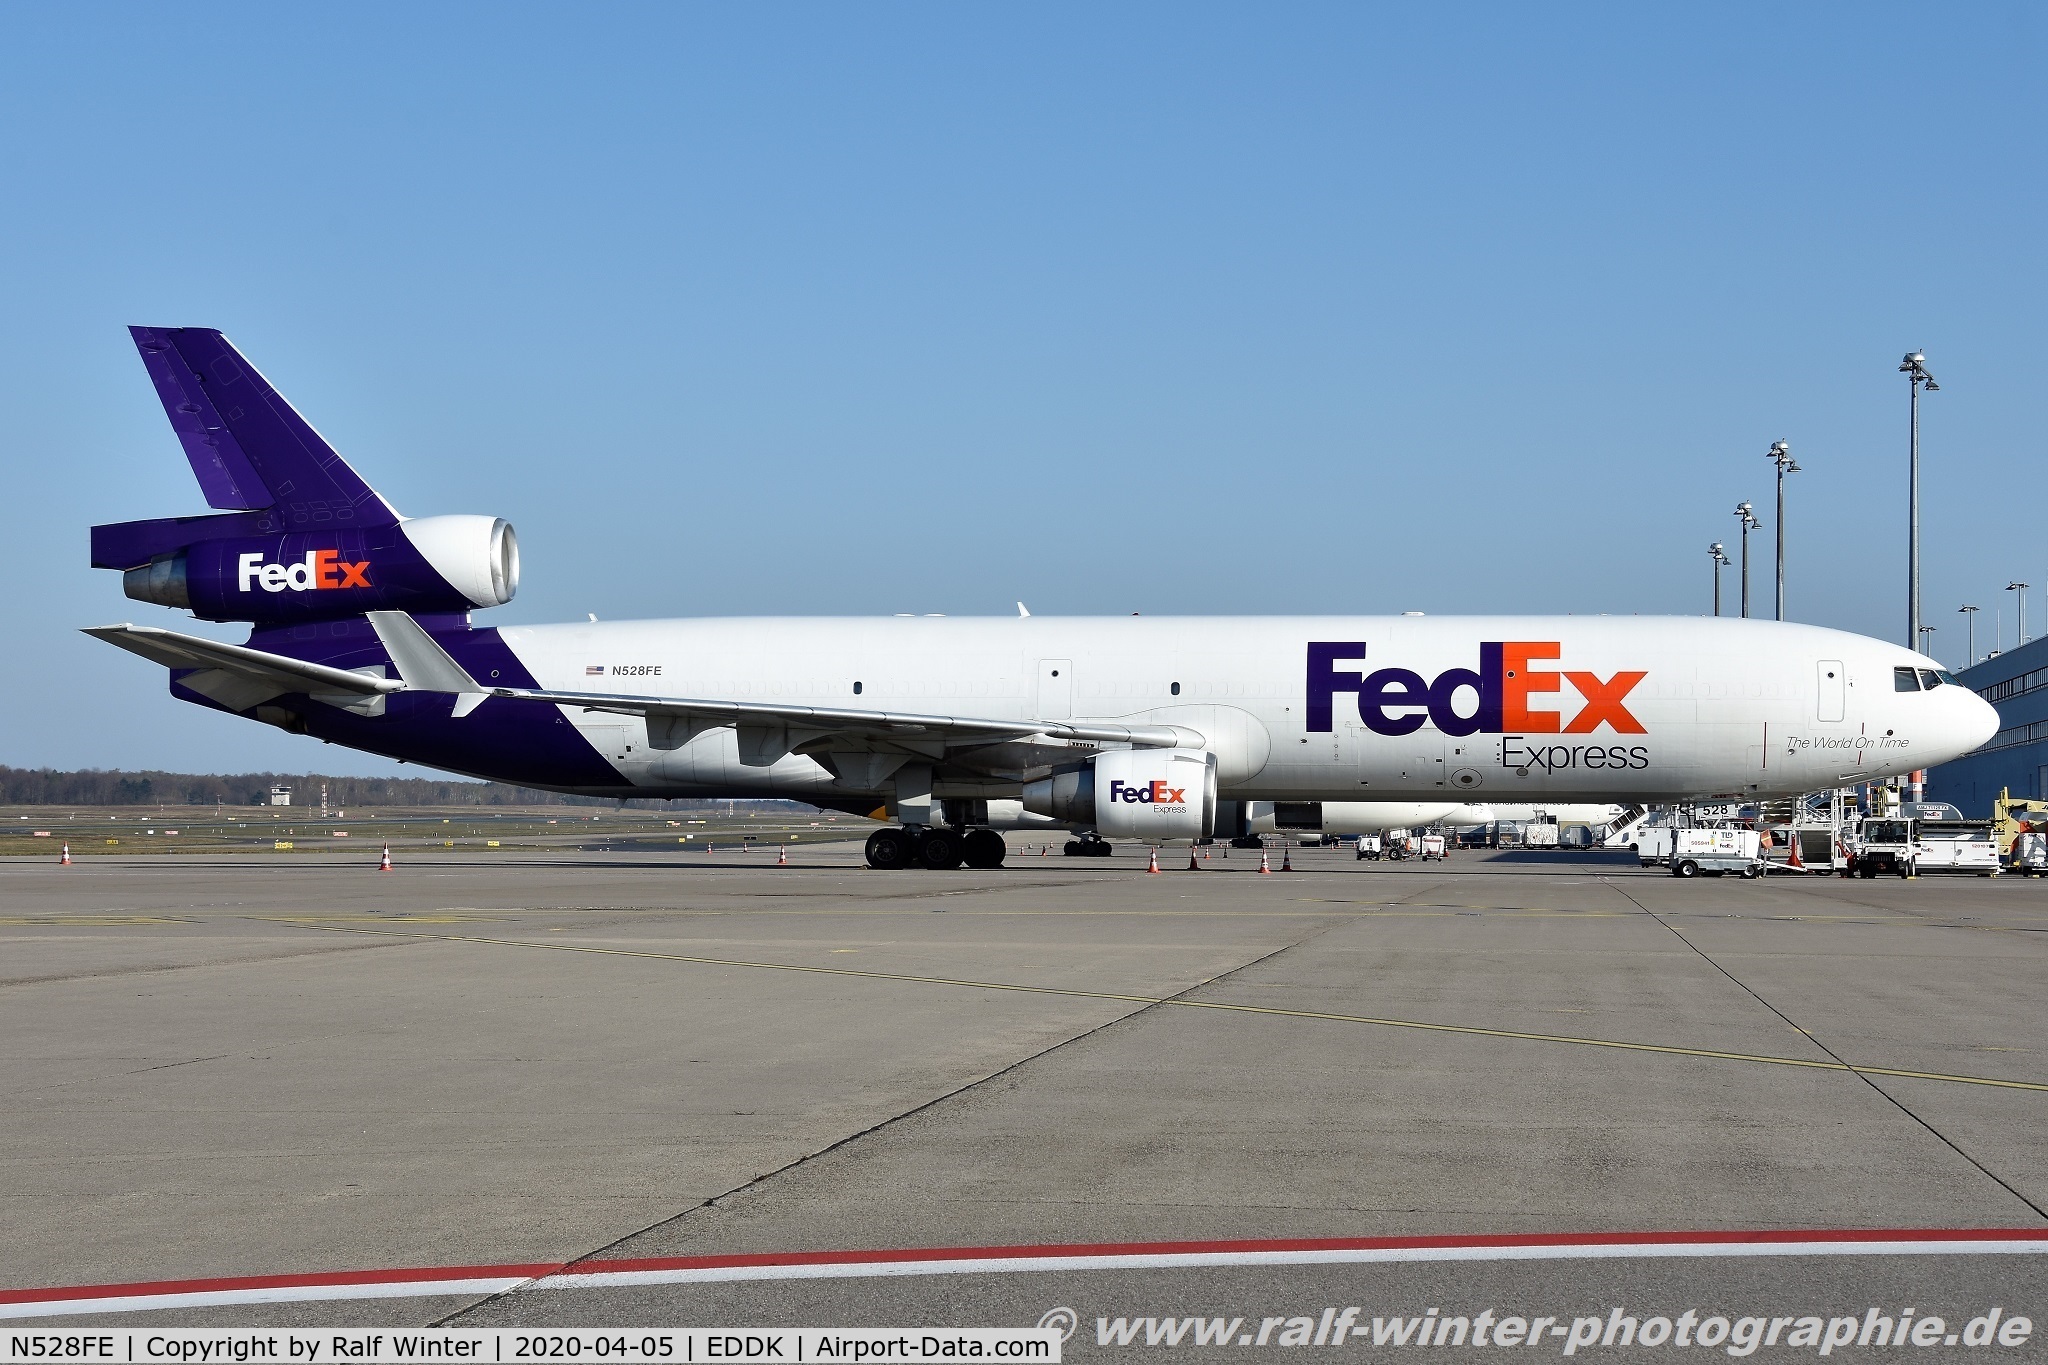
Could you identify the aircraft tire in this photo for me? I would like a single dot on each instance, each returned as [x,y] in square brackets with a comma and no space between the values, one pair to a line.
[1073,848]
[889,849]
[939,849]
[983,848]
[1097,848]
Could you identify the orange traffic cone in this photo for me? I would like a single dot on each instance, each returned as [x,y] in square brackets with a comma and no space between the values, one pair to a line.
[1792,840]
[1286,859]
[1153,866]
[782,855]
[1193,866]
[1265,866]
[1045,850]
[64,859]
[384,863]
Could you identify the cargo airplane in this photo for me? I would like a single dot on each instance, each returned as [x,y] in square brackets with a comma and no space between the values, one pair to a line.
[1127,727]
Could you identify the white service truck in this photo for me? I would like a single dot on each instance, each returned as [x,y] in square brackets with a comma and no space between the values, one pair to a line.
[1888,846]
[1957,846]
[1716,851]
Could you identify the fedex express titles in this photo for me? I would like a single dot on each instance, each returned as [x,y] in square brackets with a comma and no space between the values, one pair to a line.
[1396,701]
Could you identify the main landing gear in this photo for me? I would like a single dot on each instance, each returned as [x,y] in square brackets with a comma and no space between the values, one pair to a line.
[1089,846]
[935,847]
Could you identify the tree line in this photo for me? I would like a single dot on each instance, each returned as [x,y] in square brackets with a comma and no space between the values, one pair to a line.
[149,787]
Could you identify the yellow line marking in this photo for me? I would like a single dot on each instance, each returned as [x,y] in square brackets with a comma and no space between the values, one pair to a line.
[91,921]
[374,919]
[1073,993]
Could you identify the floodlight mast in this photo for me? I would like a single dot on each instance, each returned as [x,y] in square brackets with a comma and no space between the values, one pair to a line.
[2019,592]
[1719,555]
[1914,367]
[1781,454]
[1749,523]
[1970,615]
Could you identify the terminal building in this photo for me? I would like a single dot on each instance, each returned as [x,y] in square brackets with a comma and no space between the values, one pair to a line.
[2016,758]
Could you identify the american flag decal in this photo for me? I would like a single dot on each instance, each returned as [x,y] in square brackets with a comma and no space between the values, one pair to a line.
[593,671]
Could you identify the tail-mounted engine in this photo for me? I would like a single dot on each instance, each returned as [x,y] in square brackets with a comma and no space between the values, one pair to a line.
[1134,794]
[430,564]
[300,536]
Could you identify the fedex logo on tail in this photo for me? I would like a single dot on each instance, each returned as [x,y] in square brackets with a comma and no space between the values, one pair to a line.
[1504,695]
[319,569]
[1152,793]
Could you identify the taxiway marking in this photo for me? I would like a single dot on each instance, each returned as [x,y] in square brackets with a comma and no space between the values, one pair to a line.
[818,1265]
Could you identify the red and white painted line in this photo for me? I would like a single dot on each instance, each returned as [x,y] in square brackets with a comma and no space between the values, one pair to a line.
[818,1265]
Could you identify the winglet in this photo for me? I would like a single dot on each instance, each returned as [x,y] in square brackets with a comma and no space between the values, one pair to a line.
[422,663]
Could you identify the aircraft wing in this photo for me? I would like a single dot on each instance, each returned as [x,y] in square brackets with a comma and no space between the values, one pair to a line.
[240,677]
[880,724]
[766,731]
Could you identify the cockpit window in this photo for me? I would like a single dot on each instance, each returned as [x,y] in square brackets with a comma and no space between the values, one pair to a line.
[1930,679]
[1905,680]
[1948,678]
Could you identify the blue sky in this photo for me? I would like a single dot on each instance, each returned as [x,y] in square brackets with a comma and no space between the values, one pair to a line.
[1161,308]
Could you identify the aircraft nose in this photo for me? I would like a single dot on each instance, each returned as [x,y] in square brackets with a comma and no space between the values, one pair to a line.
[1976,723]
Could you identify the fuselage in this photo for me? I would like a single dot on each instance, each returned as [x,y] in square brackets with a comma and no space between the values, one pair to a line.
[1464,709]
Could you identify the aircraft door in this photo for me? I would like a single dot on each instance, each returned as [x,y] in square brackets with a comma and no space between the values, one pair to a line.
[1831,689]
[1055,689]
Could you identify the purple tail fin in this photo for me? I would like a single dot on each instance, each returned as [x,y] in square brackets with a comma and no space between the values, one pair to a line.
[247,446]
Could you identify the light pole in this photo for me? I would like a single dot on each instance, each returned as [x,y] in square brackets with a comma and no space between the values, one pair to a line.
[1749,523]
[1925,631]
[1970,615]
[1720,556]
[2019,592]
[1781,455]
[1914,367]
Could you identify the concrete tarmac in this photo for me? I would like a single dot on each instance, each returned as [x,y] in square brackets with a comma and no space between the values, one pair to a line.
[223,1067]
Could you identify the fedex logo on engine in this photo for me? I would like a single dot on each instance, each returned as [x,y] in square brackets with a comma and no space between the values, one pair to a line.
[1153,793]
[1506,693]
[319,569]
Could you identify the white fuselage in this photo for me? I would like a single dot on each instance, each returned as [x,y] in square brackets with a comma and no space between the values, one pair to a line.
[1582,707]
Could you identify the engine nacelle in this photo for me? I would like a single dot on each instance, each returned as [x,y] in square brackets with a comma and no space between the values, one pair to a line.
[998,814]
[1148,794]
[1345,817]
[431,564]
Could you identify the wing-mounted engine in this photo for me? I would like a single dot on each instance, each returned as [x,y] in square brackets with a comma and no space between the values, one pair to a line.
[1134,794]
[431,564]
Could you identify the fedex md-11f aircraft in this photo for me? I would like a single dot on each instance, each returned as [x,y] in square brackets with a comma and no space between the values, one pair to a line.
[1152,728]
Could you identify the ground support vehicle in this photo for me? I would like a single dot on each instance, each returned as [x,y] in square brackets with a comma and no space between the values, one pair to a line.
[2012,817]
[1716,852]
[1883,847]
[2029,854]
[1433,848]
[1957,846]
[1539,836]
[1368,847]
